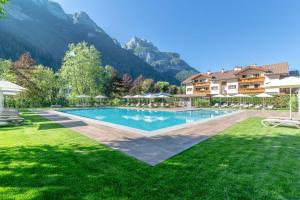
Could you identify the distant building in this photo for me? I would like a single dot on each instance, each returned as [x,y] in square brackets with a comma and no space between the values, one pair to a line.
[240,80]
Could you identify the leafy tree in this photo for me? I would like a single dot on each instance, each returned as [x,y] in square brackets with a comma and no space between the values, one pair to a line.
[45,86]
[173,89]
[148,85]
[2,2]
[6,72]
[162,86]
[106,77]
[22,69]
[127,82]
[137,85]
[80,69]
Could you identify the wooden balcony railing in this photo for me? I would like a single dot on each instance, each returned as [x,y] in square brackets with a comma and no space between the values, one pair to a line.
[202,92]
[207,84]
[252,80]
[251,90]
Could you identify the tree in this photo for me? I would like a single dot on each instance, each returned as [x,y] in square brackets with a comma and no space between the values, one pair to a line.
[148,85]
[45,85]
[2,2]
[162,86]
[173,89]
[127,82]
[22,69]
[6,70]
[80,69]
[106,77]
[137,85]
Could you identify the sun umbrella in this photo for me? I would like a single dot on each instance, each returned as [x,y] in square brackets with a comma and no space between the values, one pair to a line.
[219,96]
[10,93]
[82,96]
[8,88]
[138,96]
[127,97]
[289,82]
[263,96]
[100,97]
[162,95]
[241,96]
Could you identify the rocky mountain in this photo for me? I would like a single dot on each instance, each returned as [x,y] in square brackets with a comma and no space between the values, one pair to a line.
[42,28]
[164,62]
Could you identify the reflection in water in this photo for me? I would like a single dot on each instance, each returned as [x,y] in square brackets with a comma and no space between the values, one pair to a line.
[145,118]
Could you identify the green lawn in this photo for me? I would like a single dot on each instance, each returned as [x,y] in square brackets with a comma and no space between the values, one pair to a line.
[42,160]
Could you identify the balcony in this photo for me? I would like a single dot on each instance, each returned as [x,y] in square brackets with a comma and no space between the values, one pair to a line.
[252,80]
[207,84]
[202,92]
[251,90]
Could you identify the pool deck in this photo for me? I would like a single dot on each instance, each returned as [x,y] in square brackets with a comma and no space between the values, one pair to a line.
[155,149]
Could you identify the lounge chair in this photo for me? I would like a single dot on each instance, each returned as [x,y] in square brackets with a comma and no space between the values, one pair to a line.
[270,107]
[245,106]
[258,107]
[216,105]
[281,122]
[225,105]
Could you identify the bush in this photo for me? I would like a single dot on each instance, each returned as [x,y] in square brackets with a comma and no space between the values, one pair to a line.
[202,103]
[116,102]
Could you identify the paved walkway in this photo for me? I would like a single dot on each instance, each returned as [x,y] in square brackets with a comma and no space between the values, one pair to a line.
[156,149]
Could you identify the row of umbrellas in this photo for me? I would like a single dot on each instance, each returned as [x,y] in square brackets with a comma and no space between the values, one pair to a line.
[86,96]
[148,96]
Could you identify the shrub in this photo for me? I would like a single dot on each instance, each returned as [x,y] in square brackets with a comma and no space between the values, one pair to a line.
[116,102]
[202,103]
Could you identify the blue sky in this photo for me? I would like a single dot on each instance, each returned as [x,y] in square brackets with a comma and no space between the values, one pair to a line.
[209,34]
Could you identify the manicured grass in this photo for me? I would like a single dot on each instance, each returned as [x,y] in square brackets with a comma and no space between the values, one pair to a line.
[42,160]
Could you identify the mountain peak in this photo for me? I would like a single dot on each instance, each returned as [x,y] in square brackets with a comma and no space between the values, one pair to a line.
[137,42]
[17,8]
[169,62]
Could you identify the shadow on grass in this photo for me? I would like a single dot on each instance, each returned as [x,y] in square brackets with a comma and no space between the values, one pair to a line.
[245,162]
[53,125]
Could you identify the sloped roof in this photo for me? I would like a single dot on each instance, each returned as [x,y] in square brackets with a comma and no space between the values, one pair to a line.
[278,69]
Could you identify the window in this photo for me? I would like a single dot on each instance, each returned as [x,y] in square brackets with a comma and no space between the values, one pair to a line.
[189,89]
[232,87]
[255,75]
[256,85]
[214,88]
[224,83]
[244,76]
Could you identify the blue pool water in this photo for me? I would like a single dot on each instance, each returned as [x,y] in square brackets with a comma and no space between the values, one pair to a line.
[147,120]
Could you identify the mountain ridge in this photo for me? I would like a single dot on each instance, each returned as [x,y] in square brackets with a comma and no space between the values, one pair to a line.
[167,62]
[42,28]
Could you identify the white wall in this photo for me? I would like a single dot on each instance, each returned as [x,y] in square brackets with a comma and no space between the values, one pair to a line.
[232,82]
[189,86]
[270,79]
[216,84]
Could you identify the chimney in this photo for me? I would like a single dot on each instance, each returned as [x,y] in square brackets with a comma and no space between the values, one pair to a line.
[222,70]
[237,68]
[208,73]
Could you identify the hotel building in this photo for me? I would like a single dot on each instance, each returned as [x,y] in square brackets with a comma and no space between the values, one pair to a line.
[240,80]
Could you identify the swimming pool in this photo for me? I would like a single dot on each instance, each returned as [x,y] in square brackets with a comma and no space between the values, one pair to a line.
[146,120]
